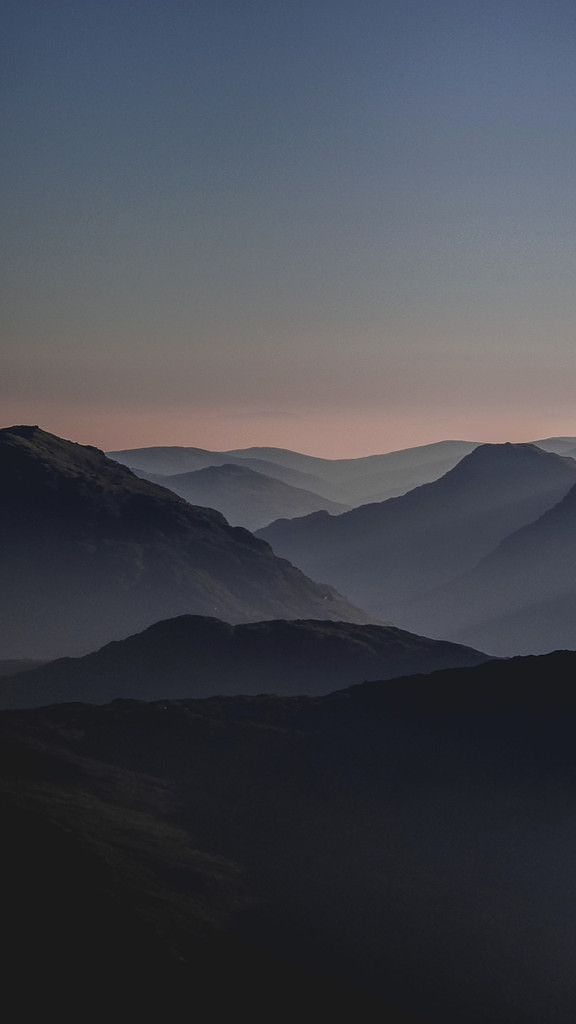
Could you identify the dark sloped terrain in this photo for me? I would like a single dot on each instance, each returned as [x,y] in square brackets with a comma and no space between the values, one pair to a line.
[10,667]
[386,555]
[244,497]
[193,656]
[91,552]
[404,848]
[520,599]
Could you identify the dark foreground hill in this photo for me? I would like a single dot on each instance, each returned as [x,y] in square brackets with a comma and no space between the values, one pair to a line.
[90,553]
[386,555]
[244,497]
[403,848]
[193,656]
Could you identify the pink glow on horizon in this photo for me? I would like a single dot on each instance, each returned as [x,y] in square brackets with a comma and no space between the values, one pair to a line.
[349,435]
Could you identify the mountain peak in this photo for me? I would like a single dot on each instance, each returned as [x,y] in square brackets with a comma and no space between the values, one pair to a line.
[91,552]
[508,458]
[507,450]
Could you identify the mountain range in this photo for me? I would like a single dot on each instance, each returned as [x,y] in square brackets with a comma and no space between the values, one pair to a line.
[245,497]
[349,481]
[290,846]
[194,656]
[559,445]
[388,555]
[91,553]
[352,482]
[520,597]
[400,849]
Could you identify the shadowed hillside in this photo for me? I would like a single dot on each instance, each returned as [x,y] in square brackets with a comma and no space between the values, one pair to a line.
[244,497]
[404,848]
[192,656]
[521,598]
[386,555]
[91,552]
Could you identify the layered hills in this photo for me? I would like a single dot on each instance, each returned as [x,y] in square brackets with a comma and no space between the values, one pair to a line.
[349,481]
[519,598]
[387,555]
[403,848]
[560,445]
[91,553]
[245,497]
[194,656]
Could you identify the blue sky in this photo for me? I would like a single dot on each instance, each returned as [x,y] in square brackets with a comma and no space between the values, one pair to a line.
[334,226]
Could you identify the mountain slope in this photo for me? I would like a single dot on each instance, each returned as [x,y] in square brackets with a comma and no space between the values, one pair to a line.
[521,598]
[172,461]
[560,445]
[193,656]
[341,470]
[91,552]
[403,847]
[351,481]
[245,497]
[387,555]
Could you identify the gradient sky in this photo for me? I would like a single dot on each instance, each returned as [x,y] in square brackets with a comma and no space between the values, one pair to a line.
[340,226]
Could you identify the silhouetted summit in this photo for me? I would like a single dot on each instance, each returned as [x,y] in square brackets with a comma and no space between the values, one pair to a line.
[91,552]
[195,656]
[386,555]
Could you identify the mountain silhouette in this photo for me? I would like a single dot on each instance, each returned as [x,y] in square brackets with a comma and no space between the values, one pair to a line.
[245,497]
[194,656]
[386,555]
[348,481]
[92,553]
[560,445]
[403,848]
[371,477]
[174,460]
[521,598]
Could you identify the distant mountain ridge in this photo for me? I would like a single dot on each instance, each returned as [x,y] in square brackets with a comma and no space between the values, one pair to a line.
[195,656]
[90,552]
[559,445]
[522,596]
[349,481]
[387,555]
[245,497]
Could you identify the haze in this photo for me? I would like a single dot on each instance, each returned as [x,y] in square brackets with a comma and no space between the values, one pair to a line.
[338,227]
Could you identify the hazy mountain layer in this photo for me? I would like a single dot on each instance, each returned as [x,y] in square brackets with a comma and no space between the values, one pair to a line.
[522,597]
[351,481]
[192,656]
[173,461]
[244,497]
[387,555]
[560,445]
[91,552]
[403,848]
[368,466]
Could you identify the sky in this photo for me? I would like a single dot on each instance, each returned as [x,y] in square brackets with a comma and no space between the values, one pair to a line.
[337,226]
